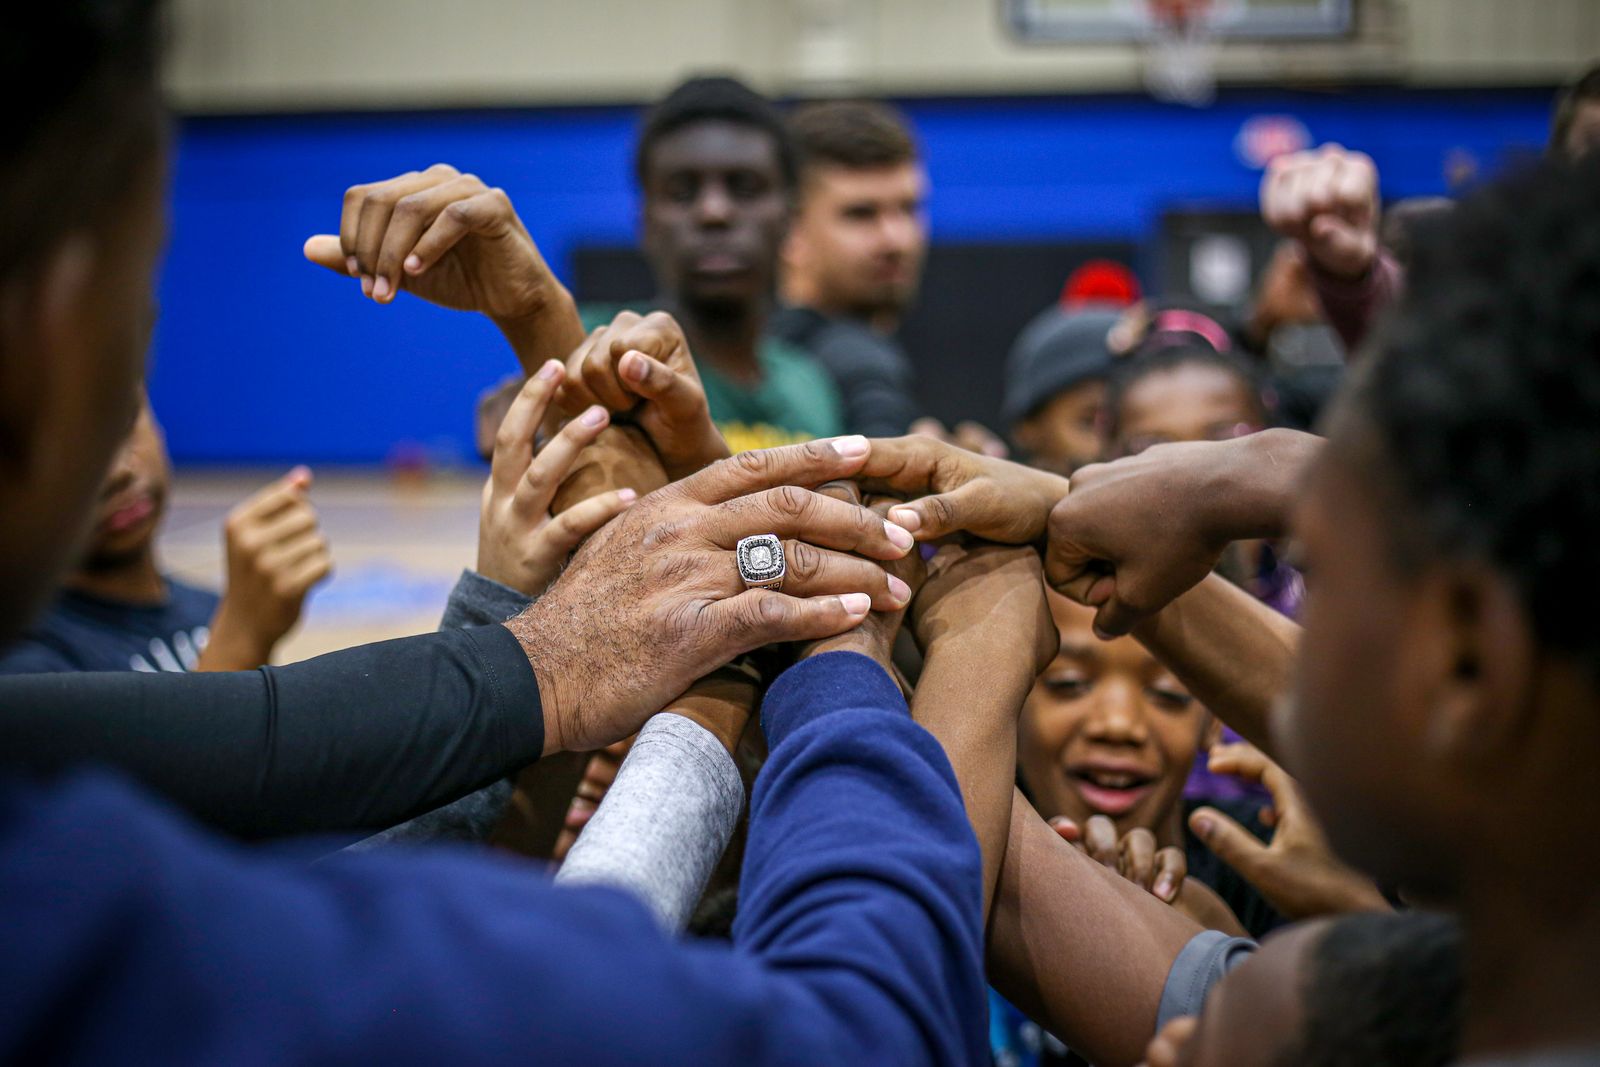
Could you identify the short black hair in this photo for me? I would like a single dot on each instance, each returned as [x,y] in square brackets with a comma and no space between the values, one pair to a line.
[715,99]
[1382,990]
[1482,393]
[1584,89]
[858,134]
[1151,359]
[83,78]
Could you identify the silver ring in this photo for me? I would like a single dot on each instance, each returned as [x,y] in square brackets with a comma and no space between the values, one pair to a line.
[761,563]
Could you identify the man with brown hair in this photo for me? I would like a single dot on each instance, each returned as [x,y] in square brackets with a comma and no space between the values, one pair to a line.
[853,257]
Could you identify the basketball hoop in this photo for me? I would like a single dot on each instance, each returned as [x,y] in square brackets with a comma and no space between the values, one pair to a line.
[1181,52]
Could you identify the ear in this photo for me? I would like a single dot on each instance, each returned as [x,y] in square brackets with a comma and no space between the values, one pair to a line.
[1481,707]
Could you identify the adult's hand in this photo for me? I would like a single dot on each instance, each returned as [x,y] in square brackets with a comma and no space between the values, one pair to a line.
[275,553]
[520,544]
[1298,872]
[453,241]
[1136,533]
[654,600]
[1326,199]
[958,490]
[640,364]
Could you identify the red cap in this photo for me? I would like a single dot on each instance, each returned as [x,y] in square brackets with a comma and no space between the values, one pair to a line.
[1100,281]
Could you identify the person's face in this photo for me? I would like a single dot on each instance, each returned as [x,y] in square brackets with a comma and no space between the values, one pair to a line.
[715,211]
[1107,730]
[71,388]
[860,237]
[1355,732]
[1253,1016]
[1189,402]
[133,496]
[1063,435]
[1583,136]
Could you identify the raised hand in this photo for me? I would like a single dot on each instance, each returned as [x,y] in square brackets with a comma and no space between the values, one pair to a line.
[1298,872]
[654,599]
[275,554]
[520,544]
[1326,199]
[641,364]
[949,489]
[1136,533]
[453,241]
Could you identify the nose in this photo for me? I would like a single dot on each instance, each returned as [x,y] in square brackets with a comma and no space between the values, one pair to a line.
[1118,715]
[898,231]
[713,207]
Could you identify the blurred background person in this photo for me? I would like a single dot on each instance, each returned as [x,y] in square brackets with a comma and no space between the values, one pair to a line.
[853,259]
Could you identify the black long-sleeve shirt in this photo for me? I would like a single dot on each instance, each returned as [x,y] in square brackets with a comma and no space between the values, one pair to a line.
[354,740]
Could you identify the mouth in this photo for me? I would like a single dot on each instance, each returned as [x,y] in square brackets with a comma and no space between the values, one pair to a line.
[718,261]
[1111,791]
[128,511]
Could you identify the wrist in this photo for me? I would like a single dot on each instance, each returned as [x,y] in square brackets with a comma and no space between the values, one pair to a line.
[232,645]
[548,328]
[1251,496]
[984,662]
[547,676]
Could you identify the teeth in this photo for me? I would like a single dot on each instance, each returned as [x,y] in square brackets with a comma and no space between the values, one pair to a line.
[1113,781]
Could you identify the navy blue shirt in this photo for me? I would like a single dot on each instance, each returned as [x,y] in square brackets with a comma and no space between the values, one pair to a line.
[89,633]
[132,936]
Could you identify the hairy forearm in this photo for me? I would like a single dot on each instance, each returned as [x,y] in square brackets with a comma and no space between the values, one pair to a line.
[1232,652]
[969,701]
[1078,947]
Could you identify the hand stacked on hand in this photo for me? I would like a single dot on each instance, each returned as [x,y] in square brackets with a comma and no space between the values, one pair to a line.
[275,554]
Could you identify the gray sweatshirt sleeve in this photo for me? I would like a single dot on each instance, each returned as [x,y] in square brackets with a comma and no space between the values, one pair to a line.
[1200,965]
[665,821]
[475,601]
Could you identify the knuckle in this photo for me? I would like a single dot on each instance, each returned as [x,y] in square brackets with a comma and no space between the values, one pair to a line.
[441,169]
[790,500]
[408,206]
[803,560]
[755,462]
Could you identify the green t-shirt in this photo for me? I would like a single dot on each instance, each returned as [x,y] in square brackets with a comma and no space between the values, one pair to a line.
[794,401]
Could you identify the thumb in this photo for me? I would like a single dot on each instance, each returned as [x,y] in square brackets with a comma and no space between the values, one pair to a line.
[324,250]
[677,395]
[1232,843]
[760,617]
[1064,826]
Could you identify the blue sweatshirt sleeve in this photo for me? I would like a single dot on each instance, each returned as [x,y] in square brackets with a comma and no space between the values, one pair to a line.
[133,937]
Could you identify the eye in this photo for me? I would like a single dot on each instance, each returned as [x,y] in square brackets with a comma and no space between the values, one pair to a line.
[860,213]
[681,188]
[747,185]
[1169,699]
[1067,685]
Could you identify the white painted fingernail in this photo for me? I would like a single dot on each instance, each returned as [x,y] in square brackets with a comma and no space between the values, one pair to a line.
[856,603]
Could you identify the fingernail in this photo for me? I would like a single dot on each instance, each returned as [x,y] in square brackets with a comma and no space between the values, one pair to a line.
[906,518]
[352,267]
[856,603]
[413,264]
[900,591]
[301,472]
[633,367]
[550,371]
[627,496]
[366,285]
[1164,887]
[595,416]
[380,288]
[851,447]
[1203,826]
[900,536]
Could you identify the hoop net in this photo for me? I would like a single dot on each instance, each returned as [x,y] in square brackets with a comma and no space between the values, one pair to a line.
[1181,52]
